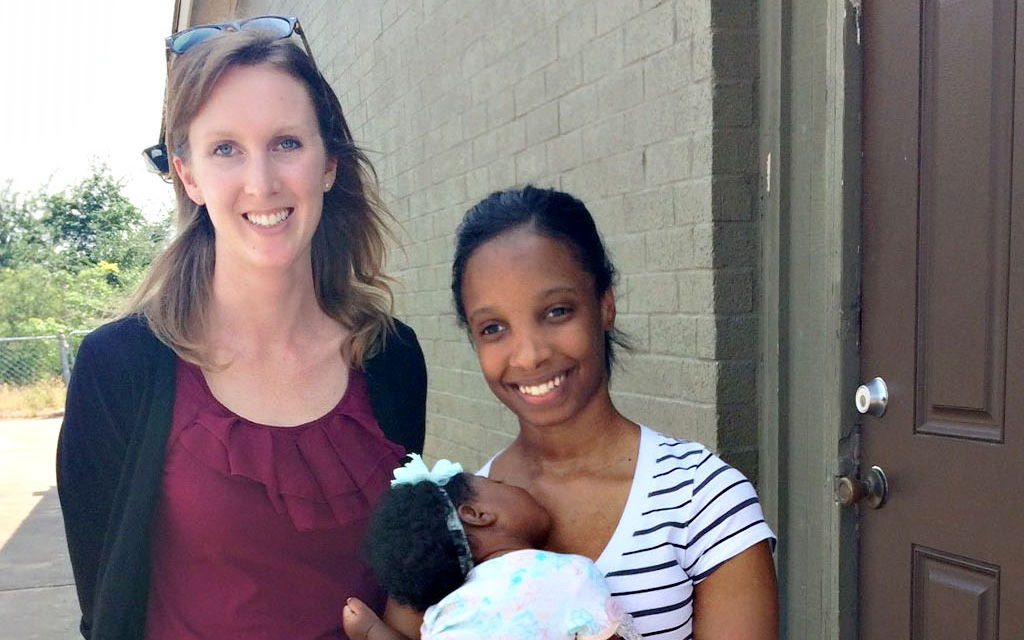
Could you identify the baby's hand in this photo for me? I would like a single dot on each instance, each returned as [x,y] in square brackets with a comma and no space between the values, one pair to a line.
[361,623]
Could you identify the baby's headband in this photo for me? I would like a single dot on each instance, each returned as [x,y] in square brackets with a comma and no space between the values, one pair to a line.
[416,471]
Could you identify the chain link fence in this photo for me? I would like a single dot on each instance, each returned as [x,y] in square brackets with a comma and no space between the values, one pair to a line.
[34,372]
[27,360]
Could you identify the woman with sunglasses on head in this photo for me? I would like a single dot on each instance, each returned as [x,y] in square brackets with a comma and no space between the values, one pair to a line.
[225,440]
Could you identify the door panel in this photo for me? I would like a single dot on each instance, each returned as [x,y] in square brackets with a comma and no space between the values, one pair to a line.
[955,598]
[965,152]
[942,320]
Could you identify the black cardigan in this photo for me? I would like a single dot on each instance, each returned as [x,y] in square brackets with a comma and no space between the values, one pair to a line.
[110,457]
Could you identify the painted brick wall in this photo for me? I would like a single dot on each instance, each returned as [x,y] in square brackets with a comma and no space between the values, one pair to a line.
[644,109]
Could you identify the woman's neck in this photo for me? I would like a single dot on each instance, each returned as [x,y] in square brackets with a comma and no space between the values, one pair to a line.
[591,435]
[263,308]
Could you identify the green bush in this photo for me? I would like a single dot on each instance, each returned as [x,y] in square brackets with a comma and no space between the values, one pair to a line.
[68,260]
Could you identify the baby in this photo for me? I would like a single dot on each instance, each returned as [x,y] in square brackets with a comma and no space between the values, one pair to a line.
[464,550]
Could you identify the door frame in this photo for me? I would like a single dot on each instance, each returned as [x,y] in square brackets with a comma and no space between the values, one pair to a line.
[810,142]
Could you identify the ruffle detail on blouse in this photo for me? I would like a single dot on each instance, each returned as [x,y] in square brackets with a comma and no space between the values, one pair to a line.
[341,461]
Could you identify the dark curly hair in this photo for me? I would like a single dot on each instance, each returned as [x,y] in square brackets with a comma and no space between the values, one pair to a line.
[408,545]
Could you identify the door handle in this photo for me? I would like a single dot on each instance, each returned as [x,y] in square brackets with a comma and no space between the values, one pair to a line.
[873,489]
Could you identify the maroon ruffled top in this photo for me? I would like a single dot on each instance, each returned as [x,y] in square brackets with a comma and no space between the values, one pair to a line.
[258,531]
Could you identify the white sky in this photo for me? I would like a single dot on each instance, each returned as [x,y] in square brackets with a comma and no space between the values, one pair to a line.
[82,80]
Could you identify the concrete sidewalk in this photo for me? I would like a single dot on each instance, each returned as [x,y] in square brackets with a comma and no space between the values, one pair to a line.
[37,593]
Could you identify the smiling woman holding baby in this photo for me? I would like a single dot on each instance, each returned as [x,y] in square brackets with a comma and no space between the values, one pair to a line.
[677,533]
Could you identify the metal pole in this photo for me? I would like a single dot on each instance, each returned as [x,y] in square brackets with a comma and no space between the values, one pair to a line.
[65,363]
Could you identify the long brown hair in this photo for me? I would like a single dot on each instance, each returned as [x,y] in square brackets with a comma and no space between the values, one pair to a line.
[347,247]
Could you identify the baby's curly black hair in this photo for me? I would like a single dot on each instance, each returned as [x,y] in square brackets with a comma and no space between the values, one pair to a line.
[408,545]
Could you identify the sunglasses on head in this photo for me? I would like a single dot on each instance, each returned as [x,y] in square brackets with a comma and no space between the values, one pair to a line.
[280,27]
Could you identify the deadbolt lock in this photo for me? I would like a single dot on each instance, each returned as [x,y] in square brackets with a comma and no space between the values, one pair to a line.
[872,398]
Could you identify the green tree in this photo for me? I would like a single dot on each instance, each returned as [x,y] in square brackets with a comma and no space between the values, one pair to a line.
[19,229]
[69,258]
[93,222]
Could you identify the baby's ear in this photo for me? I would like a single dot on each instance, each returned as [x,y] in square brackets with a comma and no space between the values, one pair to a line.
[474,517]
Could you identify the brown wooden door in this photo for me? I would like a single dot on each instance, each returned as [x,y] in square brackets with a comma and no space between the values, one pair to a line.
[943,318]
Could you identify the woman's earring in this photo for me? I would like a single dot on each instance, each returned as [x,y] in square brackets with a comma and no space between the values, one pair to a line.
[327,186]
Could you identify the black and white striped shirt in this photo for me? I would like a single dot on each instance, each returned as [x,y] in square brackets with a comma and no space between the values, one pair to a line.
[687,513]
